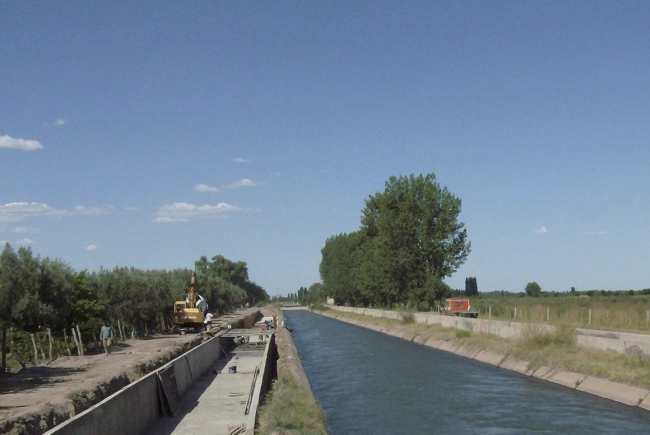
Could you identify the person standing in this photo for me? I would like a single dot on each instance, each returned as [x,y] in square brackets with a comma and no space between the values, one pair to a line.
[106,335]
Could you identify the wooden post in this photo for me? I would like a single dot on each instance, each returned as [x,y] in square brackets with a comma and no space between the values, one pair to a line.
[515,313]
[49,336]
[647,317]
[490,311]
[35,349]
[4,349]
[76,340]
[81,343]
[590,316]
[65,339]
[40,345]
[548,313]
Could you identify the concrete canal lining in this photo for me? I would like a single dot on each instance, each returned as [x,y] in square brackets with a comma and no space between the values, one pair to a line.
[133,409]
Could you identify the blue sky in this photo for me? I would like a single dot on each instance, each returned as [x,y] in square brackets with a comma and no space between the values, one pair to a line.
[147,134]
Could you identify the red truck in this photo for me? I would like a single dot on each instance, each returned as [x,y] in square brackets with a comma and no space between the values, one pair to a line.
[459,307]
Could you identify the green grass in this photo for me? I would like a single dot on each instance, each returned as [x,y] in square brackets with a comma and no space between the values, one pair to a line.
[290,410]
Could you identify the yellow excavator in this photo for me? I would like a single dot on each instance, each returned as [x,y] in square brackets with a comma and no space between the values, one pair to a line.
[189,313]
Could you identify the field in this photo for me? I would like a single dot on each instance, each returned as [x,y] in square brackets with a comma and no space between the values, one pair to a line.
[624,312]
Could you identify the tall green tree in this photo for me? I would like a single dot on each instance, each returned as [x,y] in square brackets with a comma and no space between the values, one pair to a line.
[471,286]
[417,234]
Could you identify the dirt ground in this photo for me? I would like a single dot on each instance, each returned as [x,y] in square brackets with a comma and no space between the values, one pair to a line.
[36,399]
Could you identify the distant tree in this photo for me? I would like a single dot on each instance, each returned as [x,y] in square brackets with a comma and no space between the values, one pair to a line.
[533,289]
[573,291]
[471,287]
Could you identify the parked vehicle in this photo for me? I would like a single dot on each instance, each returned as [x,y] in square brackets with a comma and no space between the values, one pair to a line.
[459,307]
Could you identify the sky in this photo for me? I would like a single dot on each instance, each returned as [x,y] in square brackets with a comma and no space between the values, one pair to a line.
[151,133]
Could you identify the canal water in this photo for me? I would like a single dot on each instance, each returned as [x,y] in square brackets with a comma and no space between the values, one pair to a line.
[371,383]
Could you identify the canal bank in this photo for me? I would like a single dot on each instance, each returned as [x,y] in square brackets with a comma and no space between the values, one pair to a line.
[622,393]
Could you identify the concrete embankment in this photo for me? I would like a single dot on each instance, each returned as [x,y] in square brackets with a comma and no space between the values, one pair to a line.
[622,393]
[131,409]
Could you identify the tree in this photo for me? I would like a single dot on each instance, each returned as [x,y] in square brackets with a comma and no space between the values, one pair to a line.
[471,287]
[415,230]
[533,289]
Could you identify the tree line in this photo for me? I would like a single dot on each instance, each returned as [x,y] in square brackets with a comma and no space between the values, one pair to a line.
[39,294]
[409,240]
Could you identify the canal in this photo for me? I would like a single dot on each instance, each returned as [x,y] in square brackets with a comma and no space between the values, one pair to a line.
[371,383]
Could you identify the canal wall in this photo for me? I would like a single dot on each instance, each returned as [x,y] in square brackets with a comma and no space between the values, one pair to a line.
[135,407]
[627,394]
[621,342]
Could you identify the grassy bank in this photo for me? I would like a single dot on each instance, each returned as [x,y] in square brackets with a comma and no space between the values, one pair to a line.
[557,350]
[290,410]
[290,407]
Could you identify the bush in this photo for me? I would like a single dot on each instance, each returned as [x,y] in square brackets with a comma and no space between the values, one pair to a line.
[407,318]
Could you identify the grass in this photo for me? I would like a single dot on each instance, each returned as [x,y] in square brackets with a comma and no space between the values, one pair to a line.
[290,410]
[557,350]
[624,312]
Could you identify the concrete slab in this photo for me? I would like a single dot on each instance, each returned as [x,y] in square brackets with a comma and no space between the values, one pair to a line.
[434,342]
[467,352]
[645,404]
[568,379]
[217,401]
[611,390]
[516,365]
[489,357]
[449,346]
[542,372]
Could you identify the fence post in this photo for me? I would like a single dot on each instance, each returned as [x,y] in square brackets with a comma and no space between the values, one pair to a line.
[590,316]
[490,312]
[81,343]
[515,313]
[548,313]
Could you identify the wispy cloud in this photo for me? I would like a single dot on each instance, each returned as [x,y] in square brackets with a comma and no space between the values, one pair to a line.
[7,141]
[184,212]
[19,211]
[57,123]
[91,248]
[91,211]
[240,160]
[597,233]
[541,230]
[23,242]
[27,230]
[205,188]
[244,182]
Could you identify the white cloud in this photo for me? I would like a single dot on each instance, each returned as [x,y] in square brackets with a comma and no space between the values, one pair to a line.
[90,211]
[19,211]
[24,242]
[58,123]
[240,160]
[91,248]
[244,182]
[541,230]
[27,230]
[20,144]
[183,212]
[205,188]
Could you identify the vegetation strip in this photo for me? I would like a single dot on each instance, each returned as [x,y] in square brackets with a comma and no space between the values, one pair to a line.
[551,357]
[290,407]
